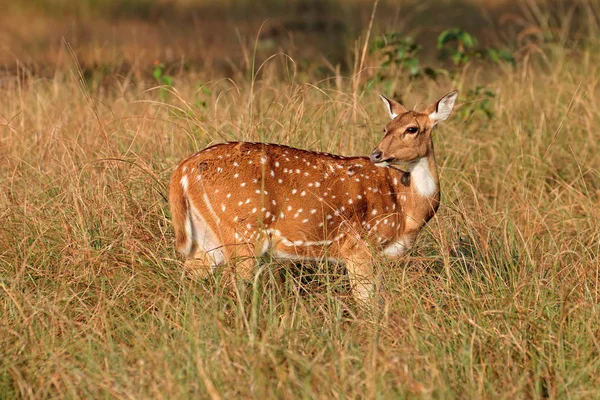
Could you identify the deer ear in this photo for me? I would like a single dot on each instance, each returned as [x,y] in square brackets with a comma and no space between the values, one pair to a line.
[440,111]
[393,107]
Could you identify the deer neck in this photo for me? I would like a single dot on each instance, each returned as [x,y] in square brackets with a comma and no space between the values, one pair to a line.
[424,180]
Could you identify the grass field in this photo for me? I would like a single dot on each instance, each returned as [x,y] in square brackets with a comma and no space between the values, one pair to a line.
[498,299]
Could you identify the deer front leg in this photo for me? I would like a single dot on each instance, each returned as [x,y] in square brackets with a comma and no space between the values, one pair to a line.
[360,273]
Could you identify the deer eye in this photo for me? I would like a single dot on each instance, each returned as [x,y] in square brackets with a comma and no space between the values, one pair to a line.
[384,130]
[412,129]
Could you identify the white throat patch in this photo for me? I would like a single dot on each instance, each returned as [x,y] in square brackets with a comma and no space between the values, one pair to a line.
[421,176]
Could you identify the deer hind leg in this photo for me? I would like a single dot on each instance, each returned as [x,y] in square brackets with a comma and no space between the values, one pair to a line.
[201,264]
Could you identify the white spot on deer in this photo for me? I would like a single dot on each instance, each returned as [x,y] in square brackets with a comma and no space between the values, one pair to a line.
[358,197]
[248,226]
[317,184]
[254,180]
[254,210]
[297,171]
[247,201]
[272,173]
[281,215]
[313,211]
[285,170]
[329,216]
[273,202]
[350,201]
[304,221]
[320,224]
[250,162]
[294,191]
[403,198]
[240,203]
[374,212]
[236,175]
[223,208]
[277,163]
[235,164]
[303,193]
[280,181]
[235,219]
[185,168]
[243,184]
[267,214]
[263,159]
[395,181]
[257,191]
[305,174]
[393,206]
[289,208]
[219,169]
[310,185]
[228,195]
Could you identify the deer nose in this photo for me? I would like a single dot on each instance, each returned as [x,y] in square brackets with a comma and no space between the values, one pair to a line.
[376,156]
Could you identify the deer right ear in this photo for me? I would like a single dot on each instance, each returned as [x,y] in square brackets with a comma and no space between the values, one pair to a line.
[393,107]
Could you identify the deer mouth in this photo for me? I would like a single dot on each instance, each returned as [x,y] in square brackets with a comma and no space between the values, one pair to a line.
[387,162]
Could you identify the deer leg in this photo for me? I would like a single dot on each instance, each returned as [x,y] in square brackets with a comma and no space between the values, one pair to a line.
[360,273]
[200,265]
[243,262]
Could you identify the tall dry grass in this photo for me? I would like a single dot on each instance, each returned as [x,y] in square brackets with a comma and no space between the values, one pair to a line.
[499,298]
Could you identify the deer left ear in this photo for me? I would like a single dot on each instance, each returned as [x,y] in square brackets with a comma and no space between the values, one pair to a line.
[441,110]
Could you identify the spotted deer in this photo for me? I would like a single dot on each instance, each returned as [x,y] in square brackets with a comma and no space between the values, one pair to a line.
[240,200]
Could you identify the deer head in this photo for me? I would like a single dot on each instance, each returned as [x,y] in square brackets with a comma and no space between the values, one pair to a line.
[408,134]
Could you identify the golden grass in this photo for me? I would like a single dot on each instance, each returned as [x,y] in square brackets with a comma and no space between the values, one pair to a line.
[499,298]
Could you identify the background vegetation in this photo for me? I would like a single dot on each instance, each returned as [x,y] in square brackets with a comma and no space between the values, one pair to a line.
[99,100]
